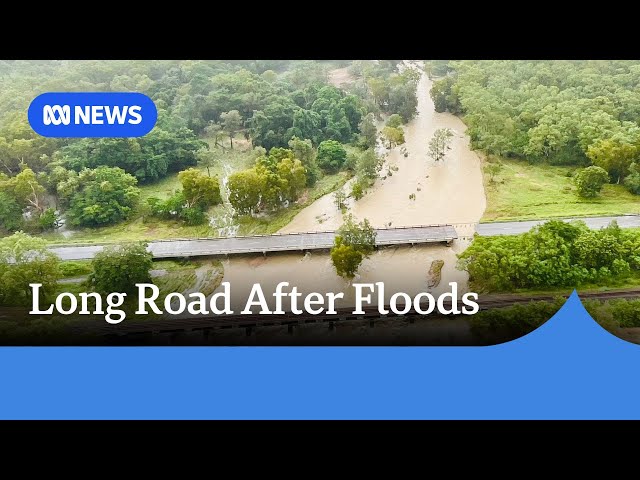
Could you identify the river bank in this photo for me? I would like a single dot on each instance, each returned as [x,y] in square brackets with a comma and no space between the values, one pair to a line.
[450,191]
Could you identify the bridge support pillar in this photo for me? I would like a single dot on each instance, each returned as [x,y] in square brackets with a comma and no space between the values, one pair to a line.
[248,331]
[332,326]
[290,328]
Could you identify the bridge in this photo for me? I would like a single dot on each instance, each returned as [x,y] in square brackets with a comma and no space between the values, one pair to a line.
[292,242]
[263,244]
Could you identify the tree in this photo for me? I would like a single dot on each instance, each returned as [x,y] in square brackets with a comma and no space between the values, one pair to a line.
[493,169]
[118,268]
[368,131]
[48,220]
[292,176]
[358,189]
[232,122]
[339,199]
[103,196]
[554,254]
[402,97]
[331,156]
[215,132]
[439,143]
[245,189]
[148,158]
[199,190]
[590,181]
[346,259]
[25,260]
[361,236]
[444,99]
[303,151]
[394,136]
[10,212]
[27,191]
[369,164]
[353,243]
[613,156]
[632,181]
[394,121]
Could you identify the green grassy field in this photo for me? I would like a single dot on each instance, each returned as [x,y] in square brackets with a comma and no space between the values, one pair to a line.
[522,192]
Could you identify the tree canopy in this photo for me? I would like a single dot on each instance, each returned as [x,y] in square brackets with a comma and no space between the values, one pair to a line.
[353,243]
[278,104]
[118,268]
[590,181]
[561,112]
[98,197]
[555,254]
[25,260]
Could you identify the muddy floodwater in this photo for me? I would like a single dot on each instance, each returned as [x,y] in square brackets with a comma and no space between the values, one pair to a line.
[402,269]
[450,191]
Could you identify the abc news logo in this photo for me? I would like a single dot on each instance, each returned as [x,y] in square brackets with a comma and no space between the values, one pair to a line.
[92,114]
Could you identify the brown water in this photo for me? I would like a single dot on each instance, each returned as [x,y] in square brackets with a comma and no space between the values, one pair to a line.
[449,191]
[402,269]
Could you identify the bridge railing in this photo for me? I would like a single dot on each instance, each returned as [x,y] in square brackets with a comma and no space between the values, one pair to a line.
[294,234]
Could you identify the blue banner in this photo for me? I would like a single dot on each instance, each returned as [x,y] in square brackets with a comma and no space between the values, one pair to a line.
[570,368]
[92,114]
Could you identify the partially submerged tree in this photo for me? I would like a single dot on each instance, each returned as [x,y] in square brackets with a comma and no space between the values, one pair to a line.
[353,243]
[393,136]
[368,131]
[439,143]
[339,199]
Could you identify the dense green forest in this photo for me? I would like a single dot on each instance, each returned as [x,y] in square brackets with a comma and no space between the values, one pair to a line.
[296,123]
[559,112]
[555,254]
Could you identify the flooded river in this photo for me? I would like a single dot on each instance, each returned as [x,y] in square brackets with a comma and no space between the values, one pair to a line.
[449,191]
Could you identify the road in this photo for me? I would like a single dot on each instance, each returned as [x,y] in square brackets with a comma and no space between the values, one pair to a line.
[512,228]
[269,243]
[324,240]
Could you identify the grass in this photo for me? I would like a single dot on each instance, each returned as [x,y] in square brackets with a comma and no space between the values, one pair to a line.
[75,268]
[524,192]
[221,162]
[239,158]
[154,229]
[139,229]
[133,230]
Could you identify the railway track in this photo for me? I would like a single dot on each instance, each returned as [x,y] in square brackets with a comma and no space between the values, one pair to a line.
[249,322]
